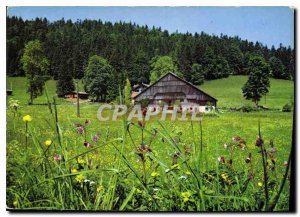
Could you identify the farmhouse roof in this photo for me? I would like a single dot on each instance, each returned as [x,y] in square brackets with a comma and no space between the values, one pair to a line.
[170,73]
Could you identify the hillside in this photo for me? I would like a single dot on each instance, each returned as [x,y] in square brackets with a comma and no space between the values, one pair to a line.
[228,92]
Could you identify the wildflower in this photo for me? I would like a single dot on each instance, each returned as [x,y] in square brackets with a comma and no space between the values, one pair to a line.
[186,196]
[250,176]
[272,150]
[57,157]
[182,177]
[87,144]
[188,173]
[260,184]
[74,170]
[141,124]
[225,146]
[221,159]
[48,142]
[154,174]
[285,163]
[80,130]
[100,188]
[15,203]
[80,161]
[259,141]
[187,150]
[248,159]
[96,137]
[175,166]
[185,199]
[79,178]
[242,146]
[77,124]
[27,118]
[224,176]
[89,182]
[144,148]
[236,139]
[87,122]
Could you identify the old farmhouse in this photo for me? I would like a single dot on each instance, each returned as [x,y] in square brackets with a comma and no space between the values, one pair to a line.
[171,90]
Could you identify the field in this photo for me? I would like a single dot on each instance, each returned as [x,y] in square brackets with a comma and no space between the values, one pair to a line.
[162,166]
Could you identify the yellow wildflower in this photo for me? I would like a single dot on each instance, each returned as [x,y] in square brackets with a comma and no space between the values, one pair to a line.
[185,199]
[80,161]
[48,142]
[186,194]
[154,174]
[188,173]
[224,176]
[27,118]
[175,166]
[260,184]
[15,203]
[79,178]
[100,188]
[74,170]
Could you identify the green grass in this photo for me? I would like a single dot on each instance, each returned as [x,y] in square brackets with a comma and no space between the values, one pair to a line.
[36,181]
[228,92]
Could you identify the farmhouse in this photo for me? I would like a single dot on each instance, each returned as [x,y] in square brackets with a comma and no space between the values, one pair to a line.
[136,89]
[171,90]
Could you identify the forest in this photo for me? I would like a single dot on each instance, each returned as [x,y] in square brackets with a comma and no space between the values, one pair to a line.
[131,49]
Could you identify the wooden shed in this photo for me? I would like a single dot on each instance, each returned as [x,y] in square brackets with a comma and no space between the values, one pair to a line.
[170,90]
[73,94]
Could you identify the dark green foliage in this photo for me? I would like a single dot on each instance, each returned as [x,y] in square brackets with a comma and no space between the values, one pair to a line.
[99,79]
[277,68]
[197,74]
[287,108]
[161,65]
[129,48]
[64,84]
[258,83]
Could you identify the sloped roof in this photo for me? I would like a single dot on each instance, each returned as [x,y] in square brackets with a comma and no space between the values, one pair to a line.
[170,73]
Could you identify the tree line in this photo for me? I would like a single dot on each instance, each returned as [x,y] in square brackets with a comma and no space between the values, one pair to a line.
[139,53]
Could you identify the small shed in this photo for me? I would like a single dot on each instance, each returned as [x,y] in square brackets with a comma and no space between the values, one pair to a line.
[170,90]
[73,94]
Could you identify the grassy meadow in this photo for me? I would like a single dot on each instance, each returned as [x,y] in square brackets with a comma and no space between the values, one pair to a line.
[152,166]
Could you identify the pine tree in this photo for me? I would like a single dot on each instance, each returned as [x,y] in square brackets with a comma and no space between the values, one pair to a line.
[197,74]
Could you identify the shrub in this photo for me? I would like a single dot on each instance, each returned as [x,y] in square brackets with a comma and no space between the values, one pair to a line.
[287,108]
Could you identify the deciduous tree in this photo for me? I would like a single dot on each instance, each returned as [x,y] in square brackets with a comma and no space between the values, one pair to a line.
[35,65]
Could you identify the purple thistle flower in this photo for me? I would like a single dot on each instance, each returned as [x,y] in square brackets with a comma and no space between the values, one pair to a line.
[221,159]
[56,157]
[259,141]
[87,144]
[96,137]
[77,124]
[272,150]
[80,130]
